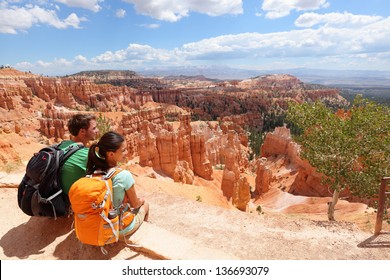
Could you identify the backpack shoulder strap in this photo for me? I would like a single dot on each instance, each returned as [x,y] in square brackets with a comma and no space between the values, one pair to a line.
[70,150]
[56,146]
[111,173]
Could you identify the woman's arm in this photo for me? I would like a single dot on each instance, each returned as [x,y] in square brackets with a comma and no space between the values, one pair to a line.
[132,197]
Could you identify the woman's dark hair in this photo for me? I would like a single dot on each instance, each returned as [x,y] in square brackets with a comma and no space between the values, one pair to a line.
[109,142]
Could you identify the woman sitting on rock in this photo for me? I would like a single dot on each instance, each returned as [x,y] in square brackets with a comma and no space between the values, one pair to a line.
[105,155]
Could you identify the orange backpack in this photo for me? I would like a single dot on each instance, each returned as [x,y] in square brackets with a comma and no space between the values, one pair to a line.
[95,219]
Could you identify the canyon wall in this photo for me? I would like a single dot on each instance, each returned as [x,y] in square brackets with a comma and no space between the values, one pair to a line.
[307,181]
[183,146]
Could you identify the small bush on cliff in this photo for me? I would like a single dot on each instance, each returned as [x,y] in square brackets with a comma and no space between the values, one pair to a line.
[103,124]
[351,148]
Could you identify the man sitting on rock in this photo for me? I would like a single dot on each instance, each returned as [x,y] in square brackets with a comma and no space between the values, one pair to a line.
[83,129]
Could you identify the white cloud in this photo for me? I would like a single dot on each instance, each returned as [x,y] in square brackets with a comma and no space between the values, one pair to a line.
[150,26]
[73,20]
[92,5]
[62,62]
[14,20]
[24,65]
[280,8]
[133,57]
[80,58]
[327,40]
[174,10]
[43,64]
[120,13]
[134,53]
[59,66]
[334,39]
[335,19]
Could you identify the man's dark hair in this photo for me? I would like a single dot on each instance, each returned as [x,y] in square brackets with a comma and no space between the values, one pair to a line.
[78,122]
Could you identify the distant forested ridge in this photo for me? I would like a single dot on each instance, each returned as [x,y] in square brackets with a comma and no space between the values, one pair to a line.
[378,94]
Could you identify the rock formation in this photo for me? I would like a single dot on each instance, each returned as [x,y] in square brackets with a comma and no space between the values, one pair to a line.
[231,172]
[8,155]
[53,122]
[234,185]
[184,140]
[241,194]
[263,177]
[165,136]
[183,173]
[179,153]
[201,164]
[245,99]
[168,151]
[133,121]
[307,181]
[147,148]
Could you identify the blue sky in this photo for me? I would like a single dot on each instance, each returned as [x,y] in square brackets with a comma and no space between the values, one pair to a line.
[67,36]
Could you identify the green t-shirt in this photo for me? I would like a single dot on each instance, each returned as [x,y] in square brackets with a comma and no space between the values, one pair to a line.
[74,168]
[120,184]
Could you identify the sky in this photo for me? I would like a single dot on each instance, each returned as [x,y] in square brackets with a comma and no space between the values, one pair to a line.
[67,36]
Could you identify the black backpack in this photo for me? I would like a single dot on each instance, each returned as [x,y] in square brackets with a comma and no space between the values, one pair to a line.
[40,192]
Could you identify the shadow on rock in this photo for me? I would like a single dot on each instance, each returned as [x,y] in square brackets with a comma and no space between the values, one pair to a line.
[72,249]
[376,241]
[32,237]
